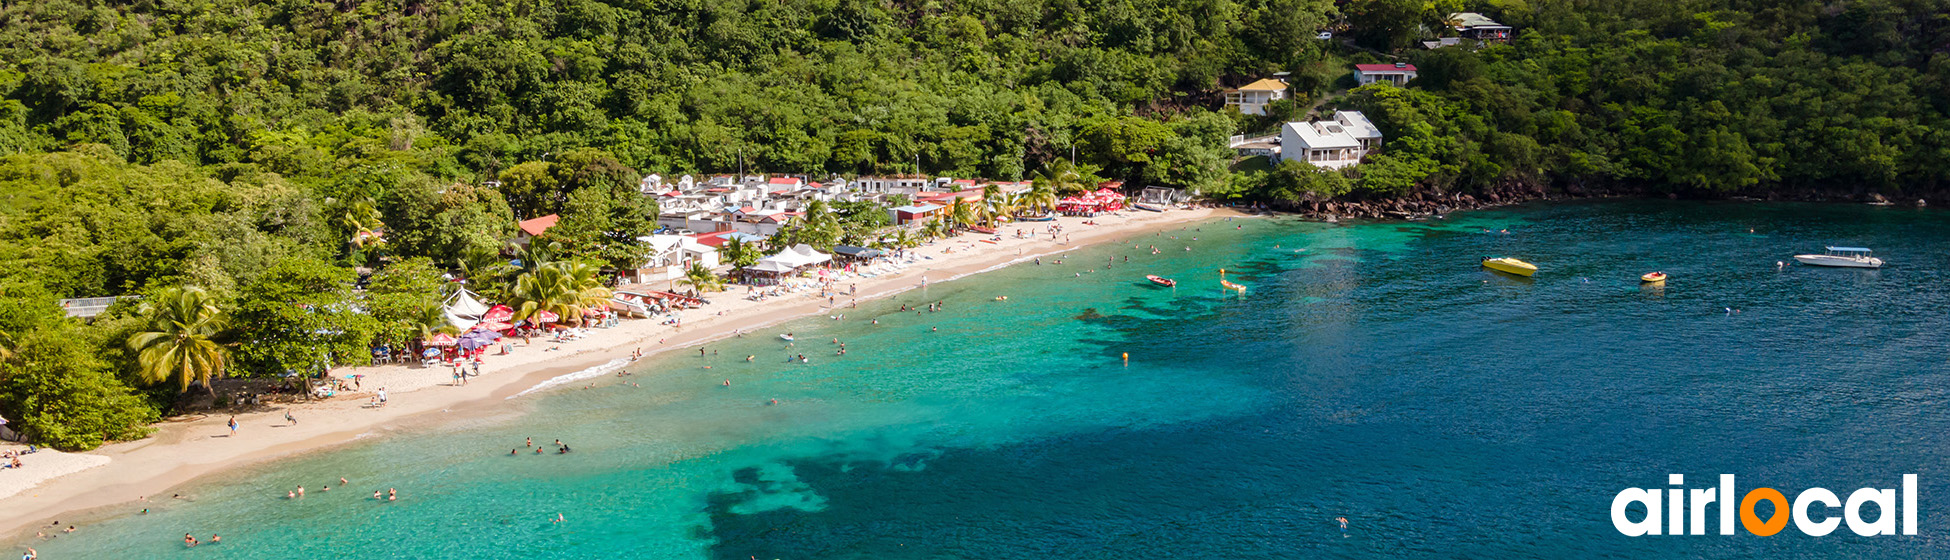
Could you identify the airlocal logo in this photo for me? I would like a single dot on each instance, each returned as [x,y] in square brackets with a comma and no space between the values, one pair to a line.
[1674,510]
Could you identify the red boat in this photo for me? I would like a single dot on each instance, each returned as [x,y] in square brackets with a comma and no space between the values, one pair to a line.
[1161,281]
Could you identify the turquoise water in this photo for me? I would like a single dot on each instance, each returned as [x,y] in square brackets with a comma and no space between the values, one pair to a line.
[1373,371]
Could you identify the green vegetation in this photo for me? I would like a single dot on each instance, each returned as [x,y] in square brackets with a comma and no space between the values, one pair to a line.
[242,164]
[1695,97]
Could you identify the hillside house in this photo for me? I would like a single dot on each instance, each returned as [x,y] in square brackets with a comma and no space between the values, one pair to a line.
[1398,73]
[1331,144]
[1251,99]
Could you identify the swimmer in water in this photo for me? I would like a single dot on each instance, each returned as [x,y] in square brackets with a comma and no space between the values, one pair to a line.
[1343,521]
[727,382]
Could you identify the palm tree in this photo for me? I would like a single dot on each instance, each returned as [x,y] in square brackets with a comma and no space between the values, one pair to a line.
[739,254]
[180,340]
[428,320]
[564,288]
[1002,205]
[932,229]
[701,279]
[1041,195]
[1062,177]
[992,201]
[961,213]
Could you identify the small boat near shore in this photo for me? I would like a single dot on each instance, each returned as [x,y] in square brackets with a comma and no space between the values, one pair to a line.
[1843,257]
[786,337]
[1653,278]
[1230,285]
[1509,265]
[1161,281]
[1148,207]
[1042,218]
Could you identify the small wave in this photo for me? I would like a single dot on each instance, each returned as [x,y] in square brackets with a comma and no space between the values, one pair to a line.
[590,373]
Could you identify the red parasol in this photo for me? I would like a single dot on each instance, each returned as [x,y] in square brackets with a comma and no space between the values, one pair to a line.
[442,339]
[499,314]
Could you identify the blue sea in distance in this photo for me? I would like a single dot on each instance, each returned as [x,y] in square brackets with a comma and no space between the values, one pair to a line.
[1372,371]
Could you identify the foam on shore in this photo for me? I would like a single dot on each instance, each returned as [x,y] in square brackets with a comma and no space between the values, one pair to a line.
[565,379]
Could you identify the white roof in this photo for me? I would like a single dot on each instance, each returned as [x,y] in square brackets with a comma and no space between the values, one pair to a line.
[796,256]
[1357,124]
[662,243]
[1320,135]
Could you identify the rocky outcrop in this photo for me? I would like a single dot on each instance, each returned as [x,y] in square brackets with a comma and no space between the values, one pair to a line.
[1426,204]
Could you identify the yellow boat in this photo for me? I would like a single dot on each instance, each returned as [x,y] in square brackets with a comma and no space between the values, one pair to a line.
[1653,278]
[1510,265]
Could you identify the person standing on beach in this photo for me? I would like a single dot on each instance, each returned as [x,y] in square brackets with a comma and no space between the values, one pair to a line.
[233,432]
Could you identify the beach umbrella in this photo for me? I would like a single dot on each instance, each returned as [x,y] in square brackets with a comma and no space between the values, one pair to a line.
[430,353]
[546,317]
[442,339]
[494,326]
[498,314]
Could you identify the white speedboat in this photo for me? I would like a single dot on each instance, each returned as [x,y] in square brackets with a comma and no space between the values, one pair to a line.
[1849,257]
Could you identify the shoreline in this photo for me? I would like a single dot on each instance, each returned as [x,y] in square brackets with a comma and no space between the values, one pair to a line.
[187,449]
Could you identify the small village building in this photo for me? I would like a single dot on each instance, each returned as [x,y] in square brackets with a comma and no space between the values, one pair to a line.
[1398,73]
[1251,99]
[914,213]
[529,229]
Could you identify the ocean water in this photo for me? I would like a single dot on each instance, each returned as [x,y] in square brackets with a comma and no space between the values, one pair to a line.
[1372,371]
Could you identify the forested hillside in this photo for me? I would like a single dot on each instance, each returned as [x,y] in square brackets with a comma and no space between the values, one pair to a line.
[236,159]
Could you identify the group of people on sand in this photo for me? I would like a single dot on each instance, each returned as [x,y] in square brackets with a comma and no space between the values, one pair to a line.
[528,443]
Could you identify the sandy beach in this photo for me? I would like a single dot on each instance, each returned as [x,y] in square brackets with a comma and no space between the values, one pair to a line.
[54,485]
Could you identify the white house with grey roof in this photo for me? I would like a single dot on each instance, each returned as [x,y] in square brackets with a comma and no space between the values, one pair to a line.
[1331,144]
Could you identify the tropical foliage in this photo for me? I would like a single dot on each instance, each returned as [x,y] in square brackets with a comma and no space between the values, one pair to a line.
[563,288]
[180,344]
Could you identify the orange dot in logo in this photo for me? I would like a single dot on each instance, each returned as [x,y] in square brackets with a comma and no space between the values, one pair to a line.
[1774,523]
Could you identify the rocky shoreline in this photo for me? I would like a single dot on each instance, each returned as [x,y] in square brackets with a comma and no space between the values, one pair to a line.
[1423,205]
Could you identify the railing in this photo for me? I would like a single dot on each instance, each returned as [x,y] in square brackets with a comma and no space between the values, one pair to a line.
[86,307]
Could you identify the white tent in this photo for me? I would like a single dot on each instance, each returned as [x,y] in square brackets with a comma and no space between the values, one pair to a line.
[792,258]
[463,310]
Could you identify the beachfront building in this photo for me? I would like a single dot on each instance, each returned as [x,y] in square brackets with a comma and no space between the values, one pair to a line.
[1398,73]
[668,256]
[915,213]
[1331,144]
[1251,99]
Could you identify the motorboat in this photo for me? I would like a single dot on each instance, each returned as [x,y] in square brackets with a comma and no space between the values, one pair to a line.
[1042,218]
[1148,207]
[1509,265]
[1846,257]
[786,337]
[1161,281]
[1653,278]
